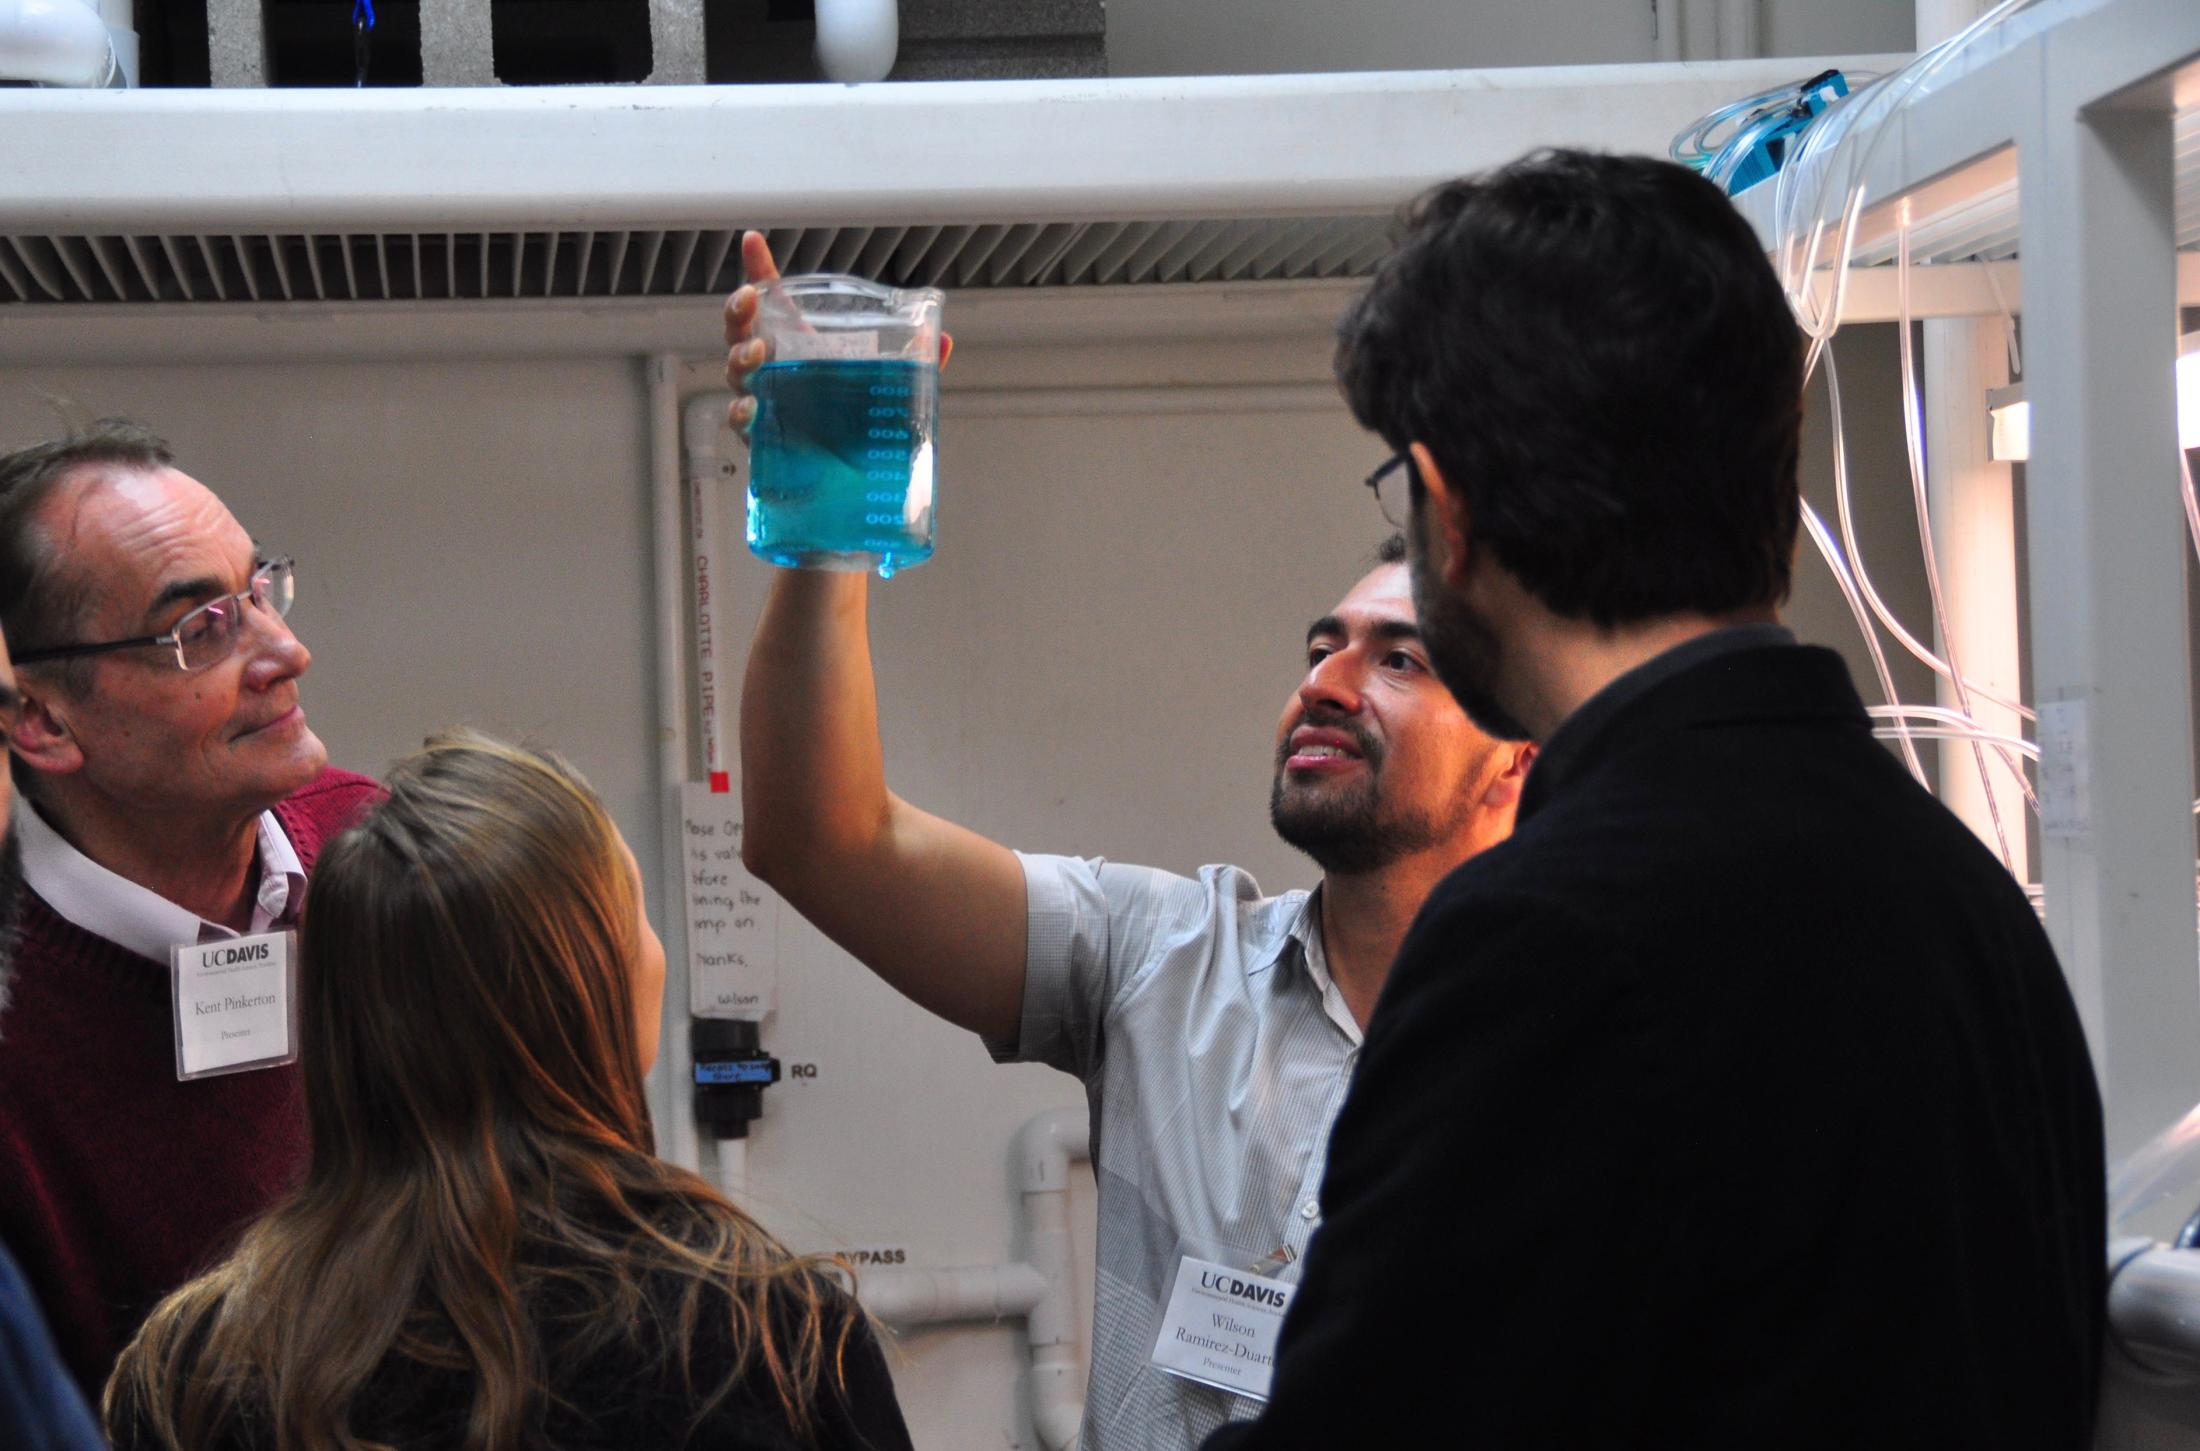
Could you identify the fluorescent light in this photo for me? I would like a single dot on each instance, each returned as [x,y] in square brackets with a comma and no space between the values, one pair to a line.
[2010,438]
[2188,392]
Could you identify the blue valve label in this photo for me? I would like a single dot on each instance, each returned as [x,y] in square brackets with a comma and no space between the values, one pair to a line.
[733,1072]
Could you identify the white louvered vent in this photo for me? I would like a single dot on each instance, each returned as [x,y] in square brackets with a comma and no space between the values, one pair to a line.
[325,195]
[405,266]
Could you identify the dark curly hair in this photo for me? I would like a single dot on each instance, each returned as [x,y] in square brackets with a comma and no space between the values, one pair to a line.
[1601,359]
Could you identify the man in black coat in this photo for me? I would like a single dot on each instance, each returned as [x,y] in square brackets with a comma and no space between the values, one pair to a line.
[1738,1100]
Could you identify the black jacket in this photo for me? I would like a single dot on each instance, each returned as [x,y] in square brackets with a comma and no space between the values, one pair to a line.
[1737,1101]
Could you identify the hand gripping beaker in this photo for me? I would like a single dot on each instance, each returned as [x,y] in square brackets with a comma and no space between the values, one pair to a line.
[847,410]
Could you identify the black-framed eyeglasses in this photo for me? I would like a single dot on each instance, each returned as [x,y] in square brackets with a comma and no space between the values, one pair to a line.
[207,635]
[1392,485]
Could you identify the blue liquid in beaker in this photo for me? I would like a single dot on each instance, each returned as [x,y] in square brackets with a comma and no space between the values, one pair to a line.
[840,463]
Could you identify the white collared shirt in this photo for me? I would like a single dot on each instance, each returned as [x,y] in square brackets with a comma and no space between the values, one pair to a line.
[108,905]
[1215,1049]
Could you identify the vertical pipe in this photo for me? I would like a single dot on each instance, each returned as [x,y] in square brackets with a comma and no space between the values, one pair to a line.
[1045,1148]
[1737,29]
[120,18]
[1936,20]
[1974,535]
[1665,28]
[704,478]
[2107,542]
[1974,538]
[733,1170]
[674,1103]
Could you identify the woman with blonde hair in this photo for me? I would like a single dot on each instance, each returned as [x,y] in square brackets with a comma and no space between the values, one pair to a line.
[485,1253]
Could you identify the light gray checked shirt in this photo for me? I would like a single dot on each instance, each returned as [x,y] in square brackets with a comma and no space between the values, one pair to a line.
[1215,1051]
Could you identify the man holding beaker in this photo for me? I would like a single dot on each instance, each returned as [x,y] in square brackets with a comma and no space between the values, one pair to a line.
[1215,1028]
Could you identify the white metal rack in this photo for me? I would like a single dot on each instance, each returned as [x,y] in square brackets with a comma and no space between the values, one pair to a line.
[2078,126]
[2072,144]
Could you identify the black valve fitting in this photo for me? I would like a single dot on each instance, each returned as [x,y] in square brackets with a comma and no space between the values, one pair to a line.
[732,1070]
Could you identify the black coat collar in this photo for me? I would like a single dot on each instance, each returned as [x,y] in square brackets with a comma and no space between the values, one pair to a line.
[1732,675]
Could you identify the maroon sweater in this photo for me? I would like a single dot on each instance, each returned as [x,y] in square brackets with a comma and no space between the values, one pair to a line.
[117,1183]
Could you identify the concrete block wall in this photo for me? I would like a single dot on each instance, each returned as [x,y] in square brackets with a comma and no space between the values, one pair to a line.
[236,43]
[943,40]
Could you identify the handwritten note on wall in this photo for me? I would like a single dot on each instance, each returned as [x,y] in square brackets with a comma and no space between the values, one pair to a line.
[732,918]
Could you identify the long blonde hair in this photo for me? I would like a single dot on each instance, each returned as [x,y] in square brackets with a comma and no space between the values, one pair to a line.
[474,1088]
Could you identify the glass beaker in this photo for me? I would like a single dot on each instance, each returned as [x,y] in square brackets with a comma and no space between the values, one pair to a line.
[847,409]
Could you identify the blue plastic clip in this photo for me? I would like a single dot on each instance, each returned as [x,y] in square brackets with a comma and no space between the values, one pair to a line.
[1763,144]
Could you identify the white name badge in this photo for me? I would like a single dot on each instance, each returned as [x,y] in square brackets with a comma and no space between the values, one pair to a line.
[233,1003]
[1221,1325]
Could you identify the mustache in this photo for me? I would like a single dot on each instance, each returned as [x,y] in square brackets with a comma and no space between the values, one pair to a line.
[1370,749]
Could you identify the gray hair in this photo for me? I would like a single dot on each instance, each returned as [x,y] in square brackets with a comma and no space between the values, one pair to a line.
[39,603]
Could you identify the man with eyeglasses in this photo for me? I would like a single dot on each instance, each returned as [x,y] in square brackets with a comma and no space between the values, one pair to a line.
[1736,1101]
[174,799]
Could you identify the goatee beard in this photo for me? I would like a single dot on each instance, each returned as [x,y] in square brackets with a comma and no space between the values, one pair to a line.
[1341,836]
[1346,831]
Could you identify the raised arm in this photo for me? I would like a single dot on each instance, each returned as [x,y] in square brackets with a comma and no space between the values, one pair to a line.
[936,910]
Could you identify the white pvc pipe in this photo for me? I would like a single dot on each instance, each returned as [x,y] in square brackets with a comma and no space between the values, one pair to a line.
[857,39]
[1737,25]
[1665,22]
[1037,1288]
[119,16]
[56,43]
[940,1297]
[1045,1148]
[733,1170]
[674,1080]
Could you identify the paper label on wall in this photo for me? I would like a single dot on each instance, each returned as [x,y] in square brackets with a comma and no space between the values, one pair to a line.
[2066,796]
[732,918]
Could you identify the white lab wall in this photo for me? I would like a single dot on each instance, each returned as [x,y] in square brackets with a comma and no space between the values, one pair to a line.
[1094,662]
[1253,37]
